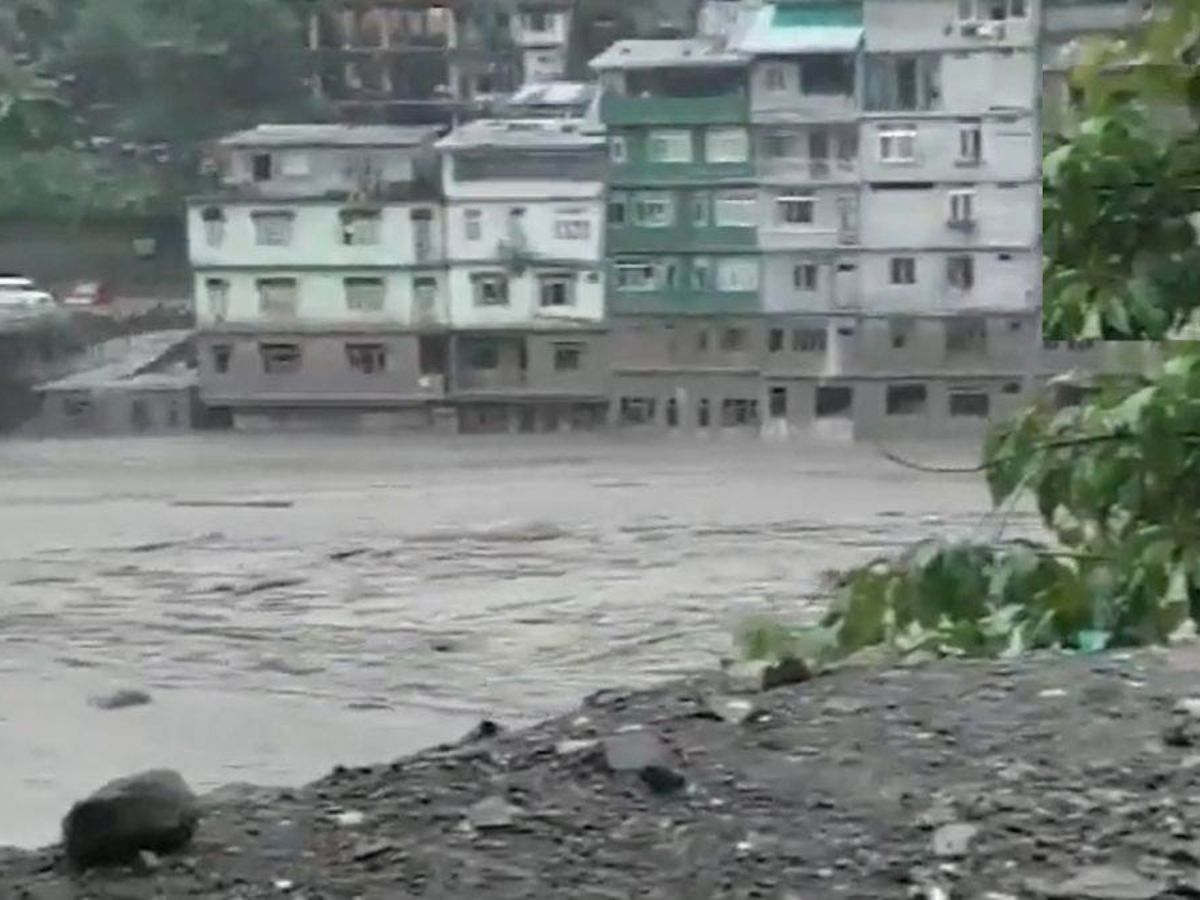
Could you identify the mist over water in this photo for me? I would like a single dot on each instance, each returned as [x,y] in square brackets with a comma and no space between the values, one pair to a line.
[295,602]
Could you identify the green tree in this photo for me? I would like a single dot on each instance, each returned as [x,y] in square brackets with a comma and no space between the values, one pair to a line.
[1121,191]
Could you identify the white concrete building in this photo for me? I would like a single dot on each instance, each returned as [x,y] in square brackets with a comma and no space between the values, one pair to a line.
[524,223]
[541,31]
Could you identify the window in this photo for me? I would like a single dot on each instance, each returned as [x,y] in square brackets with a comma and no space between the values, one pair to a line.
[809,340]
[970,143]
[962,207]
[653,211]
[733,340]
[635,276]
[795,210]
[572,229]
[568,357]
[899,330]
[966,335]
[482,356]
[702,340]
[699,204]
[278,297]
[272,229]
[425,288]
[221,354]
[898,145]
[364,294]
[294,165]
[367,359]
[422,234]
[737,209]
[726,145]
[217,291]
[775,78]
[903,270]
[669,147]
[737,274]
[556,289]
[214,225]
[702,413]
[903,82]
[777,403]
[260,165]
[618,149]
[804,276]
[834,401]
[280,359]
[360,228]
[968,402]
[616,212]
[672,412]
[827,74]
[960,272]
[473,224]
[906,399]
[539,20]
[991,10]
[702,273]
[637,410]
[737,411]
[775,340]
[489,289]
[781,145]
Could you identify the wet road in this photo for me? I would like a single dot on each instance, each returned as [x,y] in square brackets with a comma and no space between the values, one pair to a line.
[384,593]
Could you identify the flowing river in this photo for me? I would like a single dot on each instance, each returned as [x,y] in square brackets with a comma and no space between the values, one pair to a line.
[294,602]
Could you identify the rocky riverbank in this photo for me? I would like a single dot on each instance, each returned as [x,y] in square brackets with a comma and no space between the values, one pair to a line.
[1044,777]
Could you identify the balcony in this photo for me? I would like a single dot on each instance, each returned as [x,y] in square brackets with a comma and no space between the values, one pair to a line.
[731,108]
[684,302]
[816,171]
[713,239]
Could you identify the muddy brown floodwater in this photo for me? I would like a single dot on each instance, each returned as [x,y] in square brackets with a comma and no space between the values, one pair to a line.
[295,602]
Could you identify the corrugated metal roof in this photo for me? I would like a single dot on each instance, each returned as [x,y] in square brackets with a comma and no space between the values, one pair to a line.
[806,28]
[121,359]
[319,135]
[554,93]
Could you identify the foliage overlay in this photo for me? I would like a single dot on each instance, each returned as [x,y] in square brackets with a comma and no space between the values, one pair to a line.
[1121,191]
[1115,476]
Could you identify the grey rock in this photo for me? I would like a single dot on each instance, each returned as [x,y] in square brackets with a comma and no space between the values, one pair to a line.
[574,747]
[736,710]
[493,812]
[662,779]
[953,840]
[1107,883]
[153,810]
[752,676]
[937,815]
[632,751]
[121,699]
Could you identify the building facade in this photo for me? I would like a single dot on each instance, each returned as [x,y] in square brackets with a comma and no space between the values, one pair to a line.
[826,216]
[541,31]
[320,284]
[524,236]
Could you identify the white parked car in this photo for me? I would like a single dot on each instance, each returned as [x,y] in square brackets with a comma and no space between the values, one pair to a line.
[20,294]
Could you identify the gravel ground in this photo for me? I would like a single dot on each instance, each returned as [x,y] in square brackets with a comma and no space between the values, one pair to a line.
[1046,777]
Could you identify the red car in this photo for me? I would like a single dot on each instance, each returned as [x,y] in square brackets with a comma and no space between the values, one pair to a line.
[88,294]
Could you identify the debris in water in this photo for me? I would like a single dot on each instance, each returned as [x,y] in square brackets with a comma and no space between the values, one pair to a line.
[232,504]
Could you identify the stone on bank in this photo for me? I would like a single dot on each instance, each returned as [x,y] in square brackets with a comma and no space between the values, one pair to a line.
[152,811]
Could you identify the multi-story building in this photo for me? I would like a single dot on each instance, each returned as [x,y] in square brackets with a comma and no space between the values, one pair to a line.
[827,211]
[524,237]
[409,61]
[541,30]
[320,282]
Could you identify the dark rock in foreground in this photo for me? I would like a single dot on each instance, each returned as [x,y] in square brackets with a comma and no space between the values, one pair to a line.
[154,811]
[121,699]
[1030,779]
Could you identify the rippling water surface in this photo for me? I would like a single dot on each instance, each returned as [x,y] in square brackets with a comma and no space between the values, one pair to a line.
[291,603]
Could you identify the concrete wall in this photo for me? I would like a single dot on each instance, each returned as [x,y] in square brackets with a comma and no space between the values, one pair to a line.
[790,102]
[1003,281]
[317,237]
[319,169]
[324,375]
[322,298]
[117,411]
[524,297]
[1011,150]
[537,226]
[912,25]
[539,375]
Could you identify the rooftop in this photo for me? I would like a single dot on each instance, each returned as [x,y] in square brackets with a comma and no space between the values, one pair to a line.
[319,135]
[554,93]
[811,28]
[541,134]
[655,54]
[125,359]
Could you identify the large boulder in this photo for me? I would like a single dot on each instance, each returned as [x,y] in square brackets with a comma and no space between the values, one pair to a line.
[153,810]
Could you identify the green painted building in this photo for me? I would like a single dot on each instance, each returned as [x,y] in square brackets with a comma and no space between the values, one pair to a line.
[683,206]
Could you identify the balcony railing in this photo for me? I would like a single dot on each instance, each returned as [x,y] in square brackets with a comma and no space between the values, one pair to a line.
[618,109]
